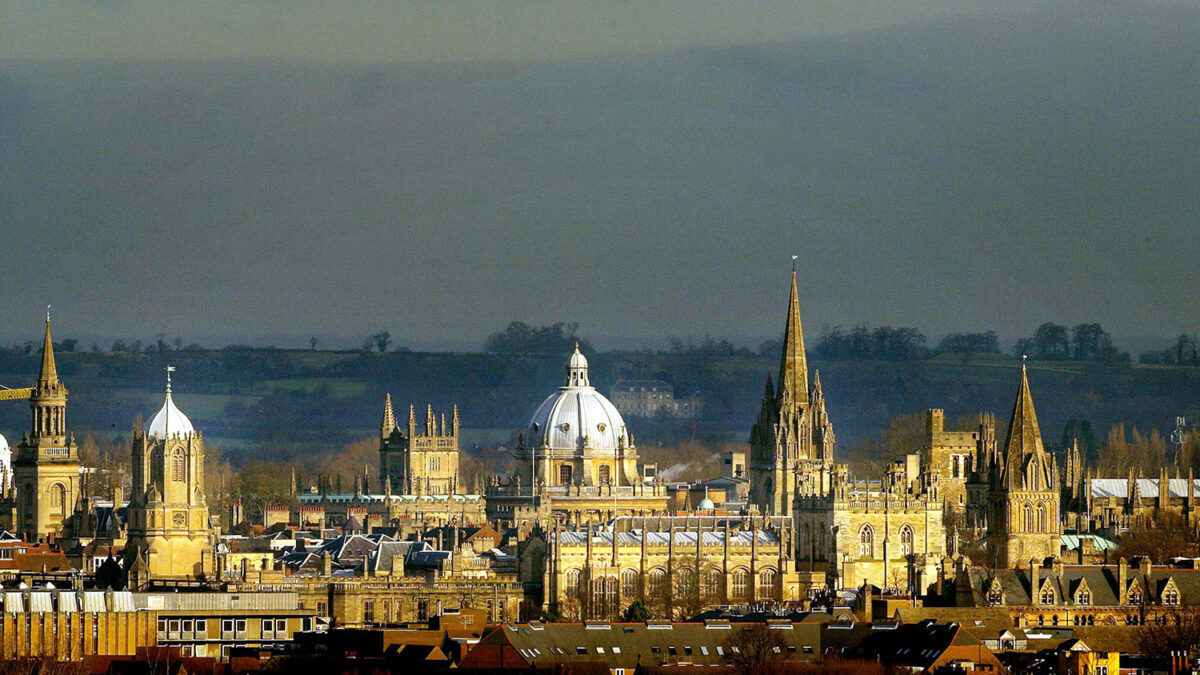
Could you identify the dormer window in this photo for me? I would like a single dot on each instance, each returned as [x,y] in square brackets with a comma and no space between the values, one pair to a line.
[1135,596]
[1083,598]
[1170,597]
[1047,597]
[995,597]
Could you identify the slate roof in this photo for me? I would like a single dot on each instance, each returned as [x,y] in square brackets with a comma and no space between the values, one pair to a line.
[682,538]
[1103,488]
[1101,581]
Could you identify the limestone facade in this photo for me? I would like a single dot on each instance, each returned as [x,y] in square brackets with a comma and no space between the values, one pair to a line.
[412,463]
[168,526]
[46,465]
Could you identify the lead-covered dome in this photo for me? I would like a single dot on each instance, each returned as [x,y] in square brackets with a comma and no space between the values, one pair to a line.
[169,421]
[577,416]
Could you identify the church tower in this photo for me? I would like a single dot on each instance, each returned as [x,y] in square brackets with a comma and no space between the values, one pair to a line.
[46,467]
[419,462]
[1023,492]
[168,516]
[791,443]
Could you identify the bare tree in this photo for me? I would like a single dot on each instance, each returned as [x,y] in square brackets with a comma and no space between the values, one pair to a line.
[1180,632]
[755,649]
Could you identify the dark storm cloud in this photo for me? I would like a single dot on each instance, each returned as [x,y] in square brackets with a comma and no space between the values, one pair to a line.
[988,171]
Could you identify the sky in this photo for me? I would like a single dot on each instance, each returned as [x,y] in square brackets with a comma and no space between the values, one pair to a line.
[269,171]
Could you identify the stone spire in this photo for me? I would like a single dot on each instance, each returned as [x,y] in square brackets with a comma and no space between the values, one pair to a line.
[48,373]
[793,367]
[1023,448]
[389,419]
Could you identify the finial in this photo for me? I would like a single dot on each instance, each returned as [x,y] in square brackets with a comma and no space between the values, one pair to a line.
[577,345]
[794,262]
[170,369]
[47,313]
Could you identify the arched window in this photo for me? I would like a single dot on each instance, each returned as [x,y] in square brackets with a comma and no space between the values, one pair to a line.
[1041,517]
[906,540]
[156,464]
[1083,597]
[684,583]
[564,474]
[995,596]
[1047,597]
[866,542]
[58,498]
[604,474]
[740,585]
[766,584]
[177,464]
[655,584]
[1171,597]
[571,585]
[1027,517]
[629,583]
[710,584]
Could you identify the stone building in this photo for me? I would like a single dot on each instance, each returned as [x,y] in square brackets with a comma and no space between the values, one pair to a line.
[413,463]
[1018,491]
[677,566]
[887,532]
[1056,594]
[952,455]
[169,534]
[653,398]
[576,459]
[46,466]
[791,443]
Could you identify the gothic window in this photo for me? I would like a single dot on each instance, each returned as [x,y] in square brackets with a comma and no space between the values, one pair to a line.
[1171,597]
[710,584]
[564,474]
[740,585]
[1027,517]
[605,474]
[685,582]
[655,583]
[1041,517]
[177,472]
[906,540]
[866,542]
[1047,597]
[156,464]
[629,583]
[1083,597]
[571,585]
[766,582]
[954,466]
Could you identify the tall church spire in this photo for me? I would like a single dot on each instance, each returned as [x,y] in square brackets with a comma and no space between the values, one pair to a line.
[793,367]
[1024,436]
[49,372]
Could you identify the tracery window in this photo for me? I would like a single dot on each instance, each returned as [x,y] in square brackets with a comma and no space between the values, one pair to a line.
[1041,517]
[766,582]
[866,542]
[58,498]
[177,467]
[740,585]
[906,540]
[629,583]
[1027,517]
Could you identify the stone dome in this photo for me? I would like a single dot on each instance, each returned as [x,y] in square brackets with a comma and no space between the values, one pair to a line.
[169,420]
[706,504]
[577,416]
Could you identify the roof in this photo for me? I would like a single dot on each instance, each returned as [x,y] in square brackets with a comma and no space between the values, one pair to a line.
[627,645]
[576,416]
[1103,488]
[169,421]
[681,537]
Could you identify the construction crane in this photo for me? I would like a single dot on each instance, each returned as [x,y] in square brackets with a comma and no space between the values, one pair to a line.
[7,394]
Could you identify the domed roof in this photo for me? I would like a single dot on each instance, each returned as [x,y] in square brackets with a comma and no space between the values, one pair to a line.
[169,420]
[577,416]
[706,504]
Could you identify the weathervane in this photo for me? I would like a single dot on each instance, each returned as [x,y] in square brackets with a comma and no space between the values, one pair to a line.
[794,262]
[170,369]
[47,313]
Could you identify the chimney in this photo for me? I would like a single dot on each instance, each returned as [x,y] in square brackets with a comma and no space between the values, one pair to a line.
[1144,567]
[1122,579]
